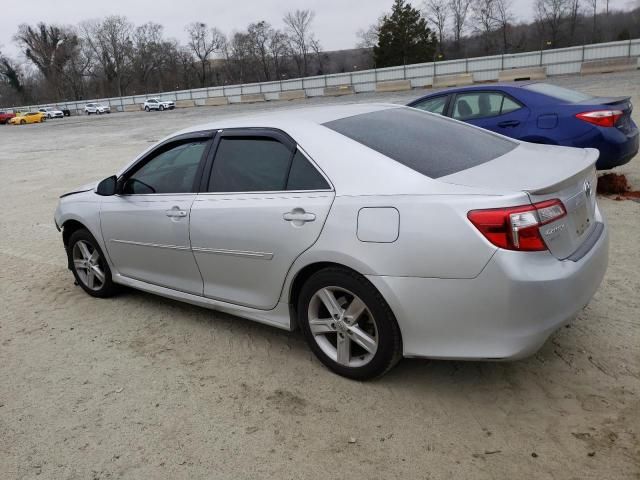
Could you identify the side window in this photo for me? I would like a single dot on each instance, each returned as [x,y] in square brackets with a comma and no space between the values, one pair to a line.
[477,105]
[172,171]
[509,105]
[250,164]
[433,105]
[304,176]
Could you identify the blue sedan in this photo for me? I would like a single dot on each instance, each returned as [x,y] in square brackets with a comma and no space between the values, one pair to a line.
[544,113]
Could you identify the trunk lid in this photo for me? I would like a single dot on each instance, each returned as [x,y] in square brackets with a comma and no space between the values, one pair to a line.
[545,172]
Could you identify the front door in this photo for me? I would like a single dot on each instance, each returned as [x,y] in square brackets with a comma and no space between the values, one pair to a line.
[264,204]
[146,225]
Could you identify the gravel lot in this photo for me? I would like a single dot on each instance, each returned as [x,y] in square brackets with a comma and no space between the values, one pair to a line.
[142,387]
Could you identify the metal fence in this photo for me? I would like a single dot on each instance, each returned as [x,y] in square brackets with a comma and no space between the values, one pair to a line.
[561,61]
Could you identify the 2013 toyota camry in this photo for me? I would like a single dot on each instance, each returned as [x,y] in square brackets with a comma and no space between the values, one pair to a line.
[380,231]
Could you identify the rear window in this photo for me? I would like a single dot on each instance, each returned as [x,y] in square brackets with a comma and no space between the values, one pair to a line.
[564,94]
[432,145]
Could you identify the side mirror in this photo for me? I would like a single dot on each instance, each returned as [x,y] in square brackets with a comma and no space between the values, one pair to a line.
[107,187]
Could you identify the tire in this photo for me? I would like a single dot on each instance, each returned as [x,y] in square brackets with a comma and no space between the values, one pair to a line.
[147,109]
[374,326]
[81,249]
[161,108]
[23,122]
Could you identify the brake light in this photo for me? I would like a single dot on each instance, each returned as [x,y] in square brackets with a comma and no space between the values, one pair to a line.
[601,118]
[517,228]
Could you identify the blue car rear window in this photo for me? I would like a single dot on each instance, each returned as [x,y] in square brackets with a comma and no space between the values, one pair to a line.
[564,94]
[431,144]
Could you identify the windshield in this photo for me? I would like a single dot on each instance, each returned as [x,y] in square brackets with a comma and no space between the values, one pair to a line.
[430,144]
[561,93]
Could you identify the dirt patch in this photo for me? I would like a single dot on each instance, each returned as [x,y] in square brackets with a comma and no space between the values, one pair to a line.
[612,184]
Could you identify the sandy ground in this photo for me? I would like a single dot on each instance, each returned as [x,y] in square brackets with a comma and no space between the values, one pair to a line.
[141,387]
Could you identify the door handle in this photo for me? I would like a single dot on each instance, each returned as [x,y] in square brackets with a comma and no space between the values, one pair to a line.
[175,212]
[509,123]
[298,215]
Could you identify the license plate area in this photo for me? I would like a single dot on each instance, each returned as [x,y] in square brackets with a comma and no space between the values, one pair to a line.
[582,219]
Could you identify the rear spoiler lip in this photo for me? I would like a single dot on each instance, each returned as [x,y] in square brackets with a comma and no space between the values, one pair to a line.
[591,154]
[594,102]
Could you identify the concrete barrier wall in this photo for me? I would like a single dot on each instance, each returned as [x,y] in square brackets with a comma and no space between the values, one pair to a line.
[185,103]
[609,65]
[292,95]
[518,74]
[453,80]
[339,90]
[560,61]
[252,98]
[393,86]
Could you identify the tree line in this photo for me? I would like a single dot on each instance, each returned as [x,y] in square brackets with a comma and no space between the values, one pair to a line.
[113,57]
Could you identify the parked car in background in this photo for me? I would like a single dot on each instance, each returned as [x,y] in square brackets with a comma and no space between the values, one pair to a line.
[544,113]
[66,111]
[6,116]
[29,117]
[378,230]
[157,104]
[96,108]
[51,112]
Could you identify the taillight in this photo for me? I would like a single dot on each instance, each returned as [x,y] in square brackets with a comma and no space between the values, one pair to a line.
[517,228]
[602,118]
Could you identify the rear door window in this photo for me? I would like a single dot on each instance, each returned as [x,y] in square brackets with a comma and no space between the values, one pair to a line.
[250,164]
[433,105]
[432,145]
[468,106]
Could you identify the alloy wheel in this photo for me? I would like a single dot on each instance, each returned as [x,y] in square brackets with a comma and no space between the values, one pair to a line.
[343,327]
[89,265]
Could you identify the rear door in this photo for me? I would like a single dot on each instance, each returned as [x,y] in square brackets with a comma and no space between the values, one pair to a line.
[262,204]
[493,110]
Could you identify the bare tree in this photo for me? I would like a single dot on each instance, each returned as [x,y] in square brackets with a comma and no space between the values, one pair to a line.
[278,51]
[483,15]
[299,32]
[437,13]
[594,12]
[111,41]
[459,11]
[148,52]
[259,34]
[503,17]
[551,14]
[368,38]
[49,48]
[573,15]
[203,42]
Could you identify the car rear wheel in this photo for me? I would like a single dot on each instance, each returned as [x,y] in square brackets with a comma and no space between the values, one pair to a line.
[23,122]
[89,265]
[348,325]
[146,109]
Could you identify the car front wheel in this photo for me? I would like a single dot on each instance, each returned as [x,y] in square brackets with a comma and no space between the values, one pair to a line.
[161,108]
[348,325]
[146,109]
[89,265]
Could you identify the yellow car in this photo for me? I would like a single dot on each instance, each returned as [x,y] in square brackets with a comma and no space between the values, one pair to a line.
[31,117]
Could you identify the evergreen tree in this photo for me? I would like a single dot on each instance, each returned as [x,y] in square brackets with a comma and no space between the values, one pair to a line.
[404,37]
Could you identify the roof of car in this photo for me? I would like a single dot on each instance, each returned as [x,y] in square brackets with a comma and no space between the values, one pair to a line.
[286,119]
[487,86]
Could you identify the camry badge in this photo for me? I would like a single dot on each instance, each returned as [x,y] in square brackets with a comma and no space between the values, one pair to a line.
[587,188]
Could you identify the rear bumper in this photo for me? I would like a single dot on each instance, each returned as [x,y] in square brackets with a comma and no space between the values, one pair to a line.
[616,148]
[507,312]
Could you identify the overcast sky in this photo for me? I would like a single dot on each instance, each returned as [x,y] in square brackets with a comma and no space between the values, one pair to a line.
[336,22]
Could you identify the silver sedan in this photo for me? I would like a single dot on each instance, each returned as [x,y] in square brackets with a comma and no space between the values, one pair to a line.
[380,231]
